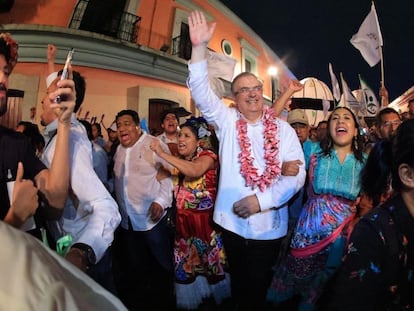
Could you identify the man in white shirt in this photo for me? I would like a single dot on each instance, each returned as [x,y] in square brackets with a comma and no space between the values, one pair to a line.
[34,277]
[251,204]
[143,243]
[90,215]
[169,123]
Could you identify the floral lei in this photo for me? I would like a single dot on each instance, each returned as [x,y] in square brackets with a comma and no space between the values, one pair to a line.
[271,147]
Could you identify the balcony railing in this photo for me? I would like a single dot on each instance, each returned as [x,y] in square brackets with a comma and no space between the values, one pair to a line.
[181,47]
[128,27]
[124,28]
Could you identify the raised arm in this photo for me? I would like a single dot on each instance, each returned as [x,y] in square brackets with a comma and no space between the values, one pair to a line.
[51,56]
[200,35]
[54,183]
[383,93]
[51,70]
[192,169]
[280,102]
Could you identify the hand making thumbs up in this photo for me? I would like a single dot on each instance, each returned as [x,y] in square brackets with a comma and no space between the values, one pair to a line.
[23,202]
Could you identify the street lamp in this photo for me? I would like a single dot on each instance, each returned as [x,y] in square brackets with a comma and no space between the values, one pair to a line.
[272,71]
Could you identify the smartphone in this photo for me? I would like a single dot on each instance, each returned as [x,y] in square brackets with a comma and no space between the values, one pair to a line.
[65,71]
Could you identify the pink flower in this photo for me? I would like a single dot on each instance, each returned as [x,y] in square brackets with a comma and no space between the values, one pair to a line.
[271,147]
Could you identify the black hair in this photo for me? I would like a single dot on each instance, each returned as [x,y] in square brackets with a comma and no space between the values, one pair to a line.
[88,128]
[375,175]
[208,133]
[166,112]
[384,111]
[322,122]
[98,128]
[129,112]
[384,161]
[357,149]
[402,151]
[80,87]
[31,130]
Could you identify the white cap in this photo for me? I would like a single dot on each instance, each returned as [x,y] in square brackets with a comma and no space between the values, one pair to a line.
[113,127]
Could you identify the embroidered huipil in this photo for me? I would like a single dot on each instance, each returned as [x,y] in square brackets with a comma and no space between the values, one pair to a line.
[272,222]
[136,185]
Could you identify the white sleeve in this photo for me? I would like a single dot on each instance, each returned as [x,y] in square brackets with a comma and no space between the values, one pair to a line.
[286,186]
[50,78]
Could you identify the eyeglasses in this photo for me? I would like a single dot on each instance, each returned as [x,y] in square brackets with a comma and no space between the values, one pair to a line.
[247,90]
[388,124]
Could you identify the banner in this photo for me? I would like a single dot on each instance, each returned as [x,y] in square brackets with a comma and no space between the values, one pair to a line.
[336,92]
[347,98]
[368,40]
[369,99]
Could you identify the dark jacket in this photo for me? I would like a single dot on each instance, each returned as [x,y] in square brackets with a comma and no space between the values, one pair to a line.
[378,270]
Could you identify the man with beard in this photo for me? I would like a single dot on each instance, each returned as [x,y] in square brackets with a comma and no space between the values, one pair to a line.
[21,172]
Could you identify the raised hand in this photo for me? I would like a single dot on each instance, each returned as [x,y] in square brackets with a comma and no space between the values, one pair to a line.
[66,90]
[51,53]
[295,85]
[200,32]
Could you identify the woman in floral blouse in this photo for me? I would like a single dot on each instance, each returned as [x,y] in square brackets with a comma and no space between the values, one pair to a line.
[199,257]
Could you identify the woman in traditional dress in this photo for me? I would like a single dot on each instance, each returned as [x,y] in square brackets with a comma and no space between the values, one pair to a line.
[317,242]
[199,257]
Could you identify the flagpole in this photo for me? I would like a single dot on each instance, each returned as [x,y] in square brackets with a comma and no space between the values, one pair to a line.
[383,100]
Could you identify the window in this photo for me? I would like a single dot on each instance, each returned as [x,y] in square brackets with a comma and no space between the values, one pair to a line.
[103,16]
[226,47]
[249,57]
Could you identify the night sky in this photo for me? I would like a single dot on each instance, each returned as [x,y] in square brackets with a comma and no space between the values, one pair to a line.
[308,34]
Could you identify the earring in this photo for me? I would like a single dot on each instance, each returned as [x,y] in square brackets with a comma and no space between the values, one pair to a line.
[199,149]
[355,143]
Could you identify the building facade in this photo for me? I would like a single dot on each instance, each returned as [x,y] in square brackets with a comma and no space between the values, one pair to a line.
[133,53]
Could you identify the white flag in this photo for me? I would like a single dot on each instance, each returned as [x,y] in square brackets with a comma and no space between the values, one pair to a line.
[368,40]
[348,99]
[220,66]
[335,85]
[369,99]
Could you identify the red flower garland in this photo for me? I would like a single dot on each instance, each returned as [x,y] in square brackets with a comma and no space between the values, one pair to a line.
[271,147]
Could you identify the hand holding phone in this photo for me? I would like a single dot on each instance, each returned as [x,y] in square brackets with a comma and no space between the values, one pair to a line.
[65,71]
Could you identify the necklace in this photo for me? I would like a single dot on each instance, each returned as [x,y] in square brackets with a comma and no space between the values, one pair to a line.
[271,147]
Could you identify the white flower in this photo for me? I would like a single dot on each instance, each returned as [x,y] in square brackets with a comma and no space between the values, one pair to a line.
[203,132]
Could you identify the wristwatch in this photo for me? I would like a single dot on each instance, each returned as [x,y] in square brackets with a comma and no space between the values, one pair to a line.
[88,253]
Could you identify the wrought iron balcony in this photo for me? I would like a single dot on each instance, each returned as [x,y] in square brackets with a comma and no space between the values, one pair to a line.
[181,47]
[98,19]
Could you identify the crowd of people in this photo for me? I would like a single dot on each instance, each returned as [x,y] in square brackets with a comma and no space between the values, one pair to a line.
[234,210]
